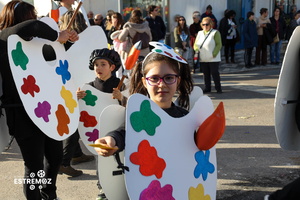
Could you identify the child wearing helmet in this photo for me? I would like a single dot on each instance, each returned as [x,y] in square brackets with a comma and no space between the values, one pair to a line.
[105,62]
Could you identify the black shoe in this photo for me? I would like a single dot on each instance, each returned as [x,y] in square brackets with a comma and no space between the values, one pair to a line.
[206,91]
[277,63]
[273,63]
[81,159]
[69,171]
[219,91]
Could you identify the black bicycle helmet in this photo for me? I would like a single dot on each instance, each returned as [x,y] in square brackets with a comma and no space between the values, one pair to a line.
[110,55]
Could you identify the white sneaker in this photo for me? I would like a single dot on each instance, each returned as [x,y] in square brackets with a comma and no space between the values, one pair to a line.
[266,197]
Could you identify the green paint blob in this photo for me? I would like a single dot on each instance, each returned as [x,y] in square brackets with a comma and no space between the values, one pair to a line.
[90,99]
[145,119]
[19,57]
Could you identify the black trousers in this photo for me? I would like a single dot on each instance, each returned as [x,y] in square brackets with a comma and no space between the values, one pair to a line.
[229,46]
[261,52]
[248,56]
[288,192]
[40,153]
[71,148]
[211,69]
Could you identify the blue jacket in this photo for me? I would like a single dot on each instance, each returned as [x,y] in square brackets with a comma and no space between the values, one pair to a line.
[250,34]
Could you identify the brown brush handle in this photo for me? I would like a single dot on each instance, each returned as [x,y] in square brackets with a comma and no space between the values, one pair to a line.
[121,82]
[74,15]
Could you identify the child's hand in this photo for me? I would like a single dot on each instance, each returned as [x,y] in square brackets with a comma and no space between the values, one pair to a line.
[117,94]
[106,141]
[80,93]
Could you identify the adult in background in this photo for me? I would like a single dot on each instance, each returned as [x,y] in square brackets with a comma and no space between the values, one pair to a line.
[208,13]
[194,28]
[229,34]
[208,43]
[90,16]
[117,24]
[261,50]
[293,25]
[250,38]
[279,26]
[182,38]
[98,20]
[156,24]
[39,152]
[135,24]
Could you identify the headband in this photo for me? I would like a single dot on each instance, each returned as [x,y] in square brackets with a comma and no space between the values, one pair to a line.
[165,50]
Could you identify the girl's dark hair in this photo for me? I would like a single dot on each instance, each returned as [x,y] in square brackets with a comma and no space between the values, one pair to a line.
[78,25]
[185,86]
[151,8]
[15,12]
[120,20]
[136,17]
[250,13]
[179,29]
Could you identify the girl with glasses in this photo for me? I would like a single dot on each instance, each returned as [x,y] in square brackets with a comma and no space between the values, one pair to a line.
[159,77]
[208,43]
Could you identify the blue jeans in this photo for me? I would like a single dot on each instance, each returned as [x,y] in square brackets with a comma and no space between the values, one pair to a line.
[275,51]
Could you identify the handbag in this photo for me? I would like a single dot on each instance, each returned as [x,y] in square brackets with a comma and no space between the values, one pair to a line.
[276,39]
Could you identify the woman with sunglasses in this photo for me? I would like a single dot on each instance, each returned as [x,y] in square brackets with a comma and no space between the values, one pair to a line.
[208,43]
[182,38]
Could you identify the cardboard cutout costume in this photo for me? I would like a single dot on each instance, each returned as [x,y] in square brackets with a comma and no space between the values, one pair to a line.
[47,87]
[91,107]
[163,159]
[287,115]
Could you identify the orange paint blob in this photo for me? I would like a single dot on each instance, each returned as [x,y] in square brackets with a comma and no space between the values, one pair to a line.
[212,129]
[63,120]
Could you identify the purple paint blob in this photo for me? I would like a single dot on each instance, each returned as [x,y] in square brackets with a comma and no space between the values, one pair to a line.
[155,191]
[43,110]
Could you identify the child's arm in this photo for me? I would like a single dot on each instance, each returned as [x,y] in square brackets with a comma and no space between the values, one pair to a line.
[80,93]
[106,141]
[118,95]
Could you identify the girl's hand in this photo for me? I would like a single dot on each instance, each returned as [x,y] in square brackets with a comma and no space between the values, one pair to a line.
[73,36]
[80,93]
[117,94]
[106,141]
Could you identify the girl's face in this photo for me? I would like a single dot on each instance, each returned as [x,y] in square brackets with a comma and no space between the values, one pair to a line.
[160,92]
[103,69]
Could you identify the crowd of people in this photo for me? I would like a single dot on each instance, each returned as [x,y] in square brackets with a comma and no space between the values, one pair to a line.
[203,39]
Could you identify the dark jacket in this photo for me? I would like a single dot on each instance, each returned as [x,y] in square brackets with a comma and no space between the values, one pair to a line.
[279,27]
[213,18]
[224,27]
[158,28]
[250,34]
[19,123]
